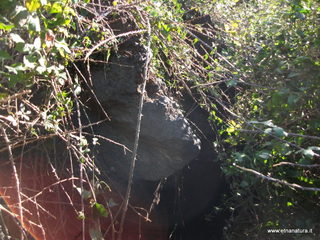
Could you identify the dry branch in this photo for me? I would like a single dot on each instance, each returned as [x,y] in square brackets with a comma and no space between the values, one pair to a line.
[282,182]
[110,39]
[137,134]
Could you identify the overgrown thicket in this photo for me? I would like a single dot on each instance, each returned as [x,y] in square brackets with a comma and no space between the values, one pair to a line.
[44,42]
[272,159]
[253,65]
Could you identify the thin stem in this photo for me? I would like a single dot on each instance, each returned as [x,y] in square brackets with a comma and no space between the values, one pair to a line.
[137,134]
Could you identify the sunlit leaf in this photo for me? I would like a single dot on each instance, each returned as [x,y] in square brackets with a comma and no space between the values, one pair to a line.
[6,27]
[37,43]
[34,23]
[279,132]
[33,5]
[101,209]
[308,152]
[16,38]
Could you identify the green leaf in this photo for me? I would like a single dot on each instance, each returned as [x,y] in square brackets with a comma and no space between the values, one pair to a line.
[37,43]
[305,161]
[41,69]
[34,23]
[33,5]
[268,123]
[308,153]
[5,27]
[77,90]
[239,157]
[101,209]
[268,130]
[293,99]
[20,16]
[28,63]
[56,8]
[315,148]
[16,38]
[4,55]
[231,83]
[15,68]
[279,132]
[289,204]
[264,155]
[63,48]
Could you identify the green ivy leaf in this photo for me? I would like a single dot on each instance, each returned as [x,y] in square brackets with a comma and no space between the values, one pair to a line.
[37,43]
[16,38]
[29,63]
[289,204]
[33,5]
[6,27]
[101,209]
[279,132]
[268,130]
[308,152]
[15,68]
[315,148]
[264,154]
[4,55]
[34,23]
[293,99]
[56,8]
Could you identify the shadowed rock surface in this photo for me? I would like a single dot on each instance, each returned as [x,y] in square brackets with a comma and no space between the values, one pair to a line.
[167,141]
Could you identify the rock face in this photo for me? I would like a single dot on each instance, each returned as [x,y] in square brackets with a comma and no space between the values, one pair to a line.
[167,142]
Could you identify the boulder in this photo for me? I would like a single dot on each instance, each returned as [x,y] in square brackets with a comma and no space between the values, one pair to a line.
[167,142]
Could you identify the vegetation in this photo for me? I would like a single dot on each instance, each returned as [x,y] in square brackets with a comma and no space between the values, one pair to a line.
[272,157]
[255,67]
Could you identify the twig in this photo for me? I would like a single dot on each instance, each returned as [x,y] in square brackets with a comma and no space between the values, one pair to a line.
[297,165]
[48,187]
[108,140]
[289,134]
[81,162]
[112,38]
[92,92]
[16,177]
[282,182]
[279,139]
[14,96]
[137,134]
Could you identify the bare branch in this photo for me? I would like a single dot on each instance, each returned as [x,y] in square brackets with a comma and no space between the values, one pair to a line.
[16,177]
[137,135]
[296,165]
[282,182]
[110,39]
